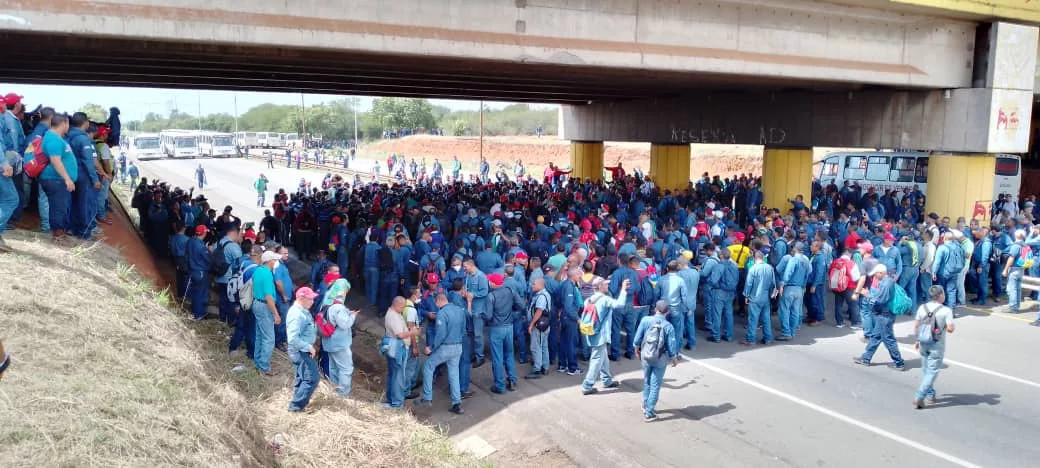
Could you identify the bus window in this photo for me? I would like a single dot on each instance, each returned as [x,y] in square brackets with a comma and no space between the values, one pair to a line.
[877,168]
[855,167]
[829,168]
[902,169]
[1007,167]
[921,175]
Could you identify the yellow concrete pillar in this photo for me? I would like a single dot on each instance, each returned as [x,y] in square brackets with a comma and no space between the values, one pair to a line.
[961,185]
[587,159]
[786,173]
[670,166]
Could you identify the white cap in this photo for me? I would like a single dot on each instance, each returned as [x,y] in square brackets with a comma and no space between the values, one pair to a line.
[880,268]
[268,256]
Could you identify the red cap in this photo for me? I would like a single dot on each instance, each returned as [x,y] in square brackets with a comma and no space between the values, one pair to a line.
[200,230]
[889,236]
[866,246]
[739,236]
[521,255]
[249,234]
[432,278]
[12,99]
[496,279]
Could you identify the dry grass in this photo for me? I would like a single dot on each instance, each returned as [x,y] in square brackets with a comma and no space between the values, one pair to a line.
[105,374]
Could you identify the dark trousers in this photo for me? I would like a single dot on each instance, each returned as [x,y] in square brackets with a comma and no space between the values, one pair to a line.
[83,208]
[520,337]
[554,341]
[59,200]
[569,344]
[245,330]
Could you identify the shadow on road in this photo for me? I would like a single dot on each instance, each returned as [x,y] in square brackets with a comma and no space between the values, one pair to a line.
[966,399]
[695,412]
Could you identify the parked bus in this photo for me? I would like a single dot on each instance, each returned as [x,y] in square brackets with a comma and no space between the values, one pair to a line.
[179,143]
[145,146]
[244,139]
[901,171]
[216,144]
[269,140]
[292,140]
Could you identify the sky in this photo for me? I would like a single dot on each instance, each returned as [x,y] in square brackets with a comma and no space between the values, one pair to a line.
[135,103]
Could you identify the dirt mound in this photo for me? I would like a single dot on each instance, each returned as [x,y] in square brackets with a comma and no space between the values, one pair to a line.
[536,153]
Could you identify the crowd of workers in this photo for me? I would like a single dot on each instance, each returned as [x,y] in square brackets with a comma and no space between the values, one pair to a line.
[549,272]
[466,270]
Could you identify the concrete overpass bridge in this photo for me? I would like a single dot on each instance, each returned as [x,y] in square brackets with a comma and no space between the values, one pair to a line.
[787,74]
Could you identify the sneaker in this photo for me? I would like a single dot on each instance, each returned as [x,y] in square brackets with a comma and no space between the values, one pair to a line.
[919,403]
[856,327]
[457,409]
[577,371]
[497,391]
[562,370]
[860,361]
[840,325]
[897,367]
[650,417]
[589,391]
[424,403]
[510,386]
[930,400]
[467,394]
[534,375]
[613,384]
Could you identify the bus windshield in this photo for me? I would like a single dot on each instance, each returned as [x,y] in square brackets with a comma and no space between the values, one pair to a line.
[1007,167]
[185,142]
[146,143]
[223,141]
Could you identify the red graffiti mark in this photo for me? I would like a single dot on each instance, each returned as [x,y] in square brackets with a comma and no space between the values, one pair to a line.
[1002,119]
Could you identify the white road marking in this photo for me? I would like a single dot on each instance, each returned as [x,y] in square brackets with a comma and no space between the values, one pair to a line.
[836,415]
[1012,378]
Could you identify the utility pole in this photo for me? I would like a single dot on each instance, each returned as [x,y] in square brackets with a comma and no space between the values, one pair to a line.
[357,102]
[481,129]
[303,111]
[199,96]
[236,113]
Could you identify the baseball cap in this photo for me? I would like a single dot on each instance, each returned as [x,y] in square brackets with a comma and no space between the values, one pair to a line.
[432,278]
[249,235]
[200,230]
[269,256]
[889,236]
[496,279]
[521,255]
[866,246]
[12,99]
[306,292]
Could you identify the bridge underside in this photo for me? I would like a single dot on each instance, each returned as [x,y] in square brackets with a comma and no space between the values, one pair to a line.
[46,58]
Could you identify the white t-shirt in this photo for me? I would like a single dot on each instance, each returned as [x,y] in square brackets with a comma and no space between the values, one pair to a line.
[943,316]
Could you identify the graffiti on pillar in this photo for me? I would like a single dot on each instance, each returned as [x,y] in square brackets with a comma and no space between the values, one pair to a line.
[771,135]
[703,135]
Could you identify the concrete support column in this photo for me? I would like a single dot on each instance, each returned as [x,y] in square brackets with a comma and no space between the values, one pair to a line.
[670,166]
[587,159]
[957,182]
[786,173]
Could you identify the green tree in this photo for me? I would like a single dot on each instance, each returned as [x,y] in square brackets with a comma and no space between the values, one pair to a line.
[267,118]
[95,112]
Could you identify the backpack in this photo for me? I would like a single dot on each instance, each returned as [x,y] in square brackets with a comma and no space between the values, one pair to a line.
[218,264]
[35,160]
[955,263]
[928,330]
[1025,259]
[653,342]
[321,321]
[647,295]
[838,275]
[589,321]
[245,293]
[900,303]
[431,264]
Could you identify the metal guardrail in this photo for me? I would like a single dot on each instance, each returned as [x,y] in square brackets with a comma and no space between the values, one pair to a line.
[332,168]
[1031,283]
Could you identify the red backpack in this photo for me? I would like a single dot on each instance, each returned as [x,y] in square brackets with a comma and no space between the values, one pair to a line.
[35,160]
[325,327]
[838,277]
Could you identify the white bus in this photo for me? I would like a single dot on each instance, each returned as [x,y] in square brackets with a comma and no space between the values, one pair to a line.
[901,170]
[244,139]
[269,140]
[145,146]
[179,143]
[216,144]
[292,140]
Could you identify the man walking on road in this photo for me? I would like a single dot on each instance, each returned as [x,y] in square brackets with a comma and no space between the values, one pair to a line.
[656,346]
[261,190]
[445,348]
[877,300]
[931,324]
[599,340]
[200,177]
